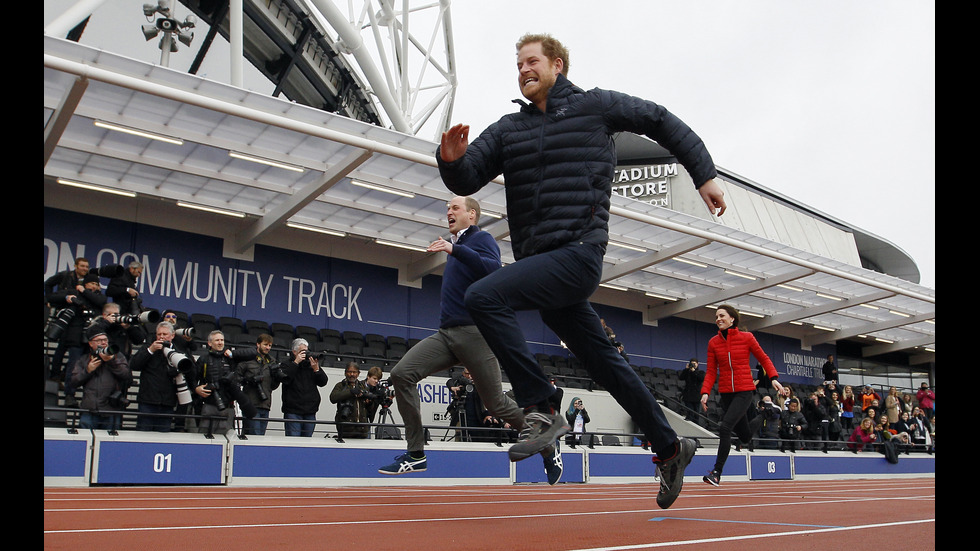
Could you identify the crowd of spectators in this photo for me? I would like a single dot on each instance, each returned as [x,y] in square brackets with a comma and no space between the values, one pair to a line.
[107,348]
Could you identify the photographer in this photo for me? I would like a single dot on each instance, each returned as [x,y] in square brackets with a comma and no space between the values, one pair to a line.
[218,388]
[791,427]
[78,306]
[56,290]
[351,397]
[300,376]
[158,388]
[101,374]
[376,392]
[691,395]
[768,423]
[121,333]
[255,370]
[122,289]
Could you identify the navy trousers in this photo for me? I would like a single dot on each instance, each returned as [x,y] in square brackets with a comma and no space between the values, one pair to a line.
[558,284]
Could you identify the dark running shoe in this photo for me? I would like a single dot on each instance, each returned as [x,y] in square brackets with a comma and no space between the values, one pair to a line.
[713,478]
[671,472]
[543,429]
[552,464]
[404,464]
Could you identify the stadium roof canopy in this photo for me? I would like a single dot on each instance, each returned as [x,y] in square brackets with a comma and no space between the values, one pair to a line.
[660,262]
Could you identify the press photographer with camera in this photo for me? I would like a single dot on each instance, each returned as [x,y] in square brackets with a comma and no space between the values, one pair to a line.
[691,395]
[101,374]
[56,290]
[217,386]
[351,397]
[379,393]
[301,377]
[76,310]
[160,368]
[123,289]
[124,331]
[259,374]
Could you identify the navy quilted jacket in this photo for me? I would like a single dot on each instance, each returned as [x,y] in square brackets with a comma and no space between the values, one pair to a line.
[558,165]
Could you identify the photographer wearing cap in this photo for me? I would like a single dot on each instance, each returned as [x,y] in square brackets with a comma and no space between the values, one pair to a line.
[301,378]
[351,397]
[101,374]
[77,310]
[157,389]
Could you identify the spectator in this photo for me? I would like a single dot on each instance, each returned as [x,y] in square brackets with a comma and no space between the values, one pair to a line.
[835,428]
[817,420]
[254,367]
[471,253]
[301,379]
[893,405]
[847,409]
[577,417]
[691,395]
[921,429]
[101,374]
[610,334]
[904,426]
[85,302]
[927,399]
[768,422]
[907,403]
[791,426]
[830,370]
[786,395]
[157,392]
[558,200]
[863,435]
[832,387]
[729,356]
[350,396]
[123,289]
[218,388]
[868,398]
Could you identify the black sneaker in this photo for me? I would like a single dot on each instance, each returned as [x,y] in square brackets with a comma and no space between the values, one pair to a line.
[552,464]
[713,478]
[671,472]
[543,429]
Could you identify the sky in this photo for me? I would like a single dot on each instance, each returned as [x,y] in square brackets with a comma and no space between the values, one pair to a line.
[829,103]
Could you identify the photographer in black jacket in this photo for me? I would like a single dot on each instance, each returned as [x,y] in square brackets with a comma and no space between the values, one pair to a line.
[158,385]
[80,307]
[260,375]
[218,387]
[301,379]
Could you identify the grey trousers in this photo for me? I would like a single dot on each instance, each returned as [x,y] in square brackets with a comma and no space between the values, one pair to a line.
[443,350]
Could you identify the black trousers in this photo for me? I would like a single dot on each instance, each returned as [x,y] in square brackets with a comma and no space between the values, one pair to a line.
[736,406]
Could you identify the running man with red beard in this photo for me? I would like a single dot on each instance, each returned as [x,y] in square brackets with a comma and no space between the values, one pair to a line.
[558,157]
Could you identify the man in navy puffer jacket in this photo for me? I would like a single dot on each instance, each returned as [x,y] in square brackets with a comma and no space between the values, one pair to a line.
[558,157]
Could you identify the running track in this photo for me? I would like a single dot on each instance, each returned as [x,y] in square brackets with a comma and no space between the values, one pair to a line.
[825,515]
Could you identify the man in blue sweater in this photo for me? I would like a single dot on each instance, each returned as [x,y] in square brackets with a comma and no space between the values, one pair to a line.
[473,254]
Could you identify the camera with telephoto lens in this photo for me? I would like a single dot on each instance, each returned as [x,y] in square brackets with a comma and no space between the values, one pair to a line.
[183,365]
[108,350]
[146,316]
[119,400]
[227,389]
[58,323]
[185,332]
[256,382]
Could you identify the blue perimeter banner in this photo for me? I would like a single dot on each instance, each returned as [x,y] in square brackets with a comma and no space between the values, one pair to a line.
[187,272]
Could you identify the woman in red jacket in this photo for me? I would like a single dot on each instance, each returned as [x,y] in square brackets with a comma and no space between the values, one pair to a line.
[729,363]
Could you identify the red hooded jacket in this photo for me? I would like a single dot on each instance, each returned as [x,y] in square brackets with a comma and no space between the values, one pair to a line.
[729,362]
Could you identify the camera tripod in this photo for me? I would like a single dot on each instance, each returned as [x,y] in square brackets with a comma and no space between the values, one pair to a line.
[385,418]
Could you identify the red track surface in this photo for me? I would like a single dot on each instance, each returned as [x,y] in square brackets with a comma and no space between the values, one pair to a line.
[785,515]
